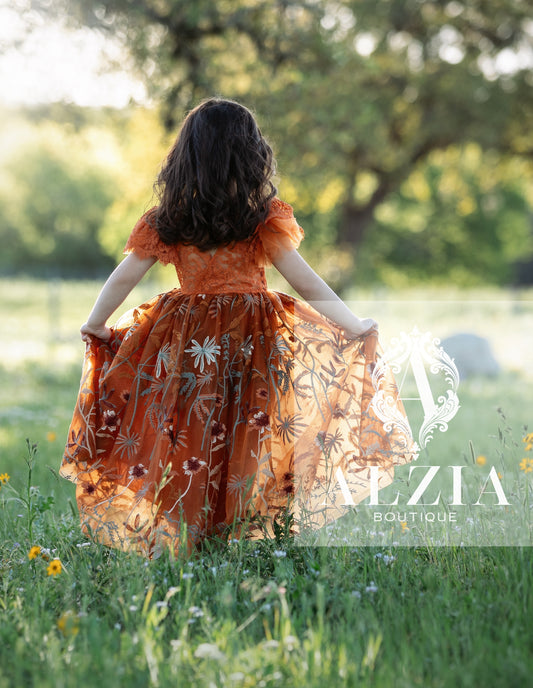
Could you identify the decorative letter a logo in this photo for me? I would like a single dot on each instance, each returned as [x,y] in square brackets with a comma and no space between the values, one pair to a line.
[420,351]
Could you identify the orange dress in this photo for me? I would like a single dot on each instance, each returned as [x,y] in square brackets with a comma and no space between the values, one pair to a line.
[222,403]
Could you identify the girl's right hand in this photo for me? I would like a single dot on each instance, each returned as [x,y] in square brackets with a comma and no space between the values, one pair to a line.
[364,327]
[103,332]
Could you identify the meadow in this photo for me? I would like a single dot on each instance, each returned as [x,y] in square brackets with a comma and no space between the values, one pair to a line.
[271,612]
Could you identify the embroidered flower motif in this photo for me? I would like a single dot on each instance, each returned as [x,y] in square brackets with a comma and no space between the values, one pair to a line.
[260,421]
[238,484]
[176,438]
[137,471]
[89,488]
[128,444]
[338,412]
[111,421]
[289,427]
[218,431]
[247,347]
[320,439]
[204,353]
[193,465]
[163,358]
[288,480]
[262,393]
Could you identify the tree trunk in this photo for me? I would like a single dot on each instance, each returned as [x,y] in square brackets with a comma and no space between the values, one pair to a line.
[355,219]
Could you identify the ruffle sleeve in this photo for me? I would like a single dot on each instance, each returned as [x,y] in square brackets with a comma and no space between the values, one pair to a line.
[279,231]
[145,242]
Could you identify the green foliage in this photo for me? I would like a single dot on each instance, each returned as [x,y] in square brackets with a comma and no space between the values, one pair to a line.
[358,98]
[462,217]
[54,198]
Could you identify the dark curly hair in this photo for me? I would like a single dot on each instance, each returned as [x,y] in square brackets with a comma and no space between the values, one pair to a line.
[215,185]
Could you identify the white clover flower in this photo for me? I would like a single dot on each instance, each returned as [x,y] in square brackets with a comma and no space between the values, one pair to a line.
[209,651]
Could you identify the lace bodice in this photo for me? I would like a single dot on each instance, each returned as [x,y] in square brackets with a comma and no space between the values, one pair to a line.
[234,268]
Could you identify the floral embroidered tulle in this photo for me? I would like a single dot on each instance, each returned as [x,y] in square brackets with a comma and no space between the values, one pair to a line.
[235,268]
[223,405]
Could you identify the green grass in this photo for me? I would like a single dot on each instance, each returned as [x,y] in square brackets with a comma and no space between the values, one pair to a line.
[268,613]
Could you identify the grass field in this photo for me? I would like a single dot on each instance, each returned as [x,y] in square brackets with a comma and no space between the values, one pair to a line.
[268,613]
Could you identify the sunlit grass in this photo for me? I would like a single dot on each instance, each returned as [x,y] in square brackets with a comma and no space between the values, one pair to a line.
[248,613]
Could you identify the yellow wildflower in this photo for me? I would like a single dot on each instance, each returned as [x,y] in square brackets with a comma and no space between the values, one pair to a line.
[404,526]
[68,623]
[51,436]
[4,478]
[34,552]
[528,441]
[54,568]
[526,465]
[481,460]
[500,476]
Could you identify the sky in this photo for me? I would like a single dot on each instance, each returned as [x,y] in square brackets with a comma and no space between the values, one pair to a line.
[59,64]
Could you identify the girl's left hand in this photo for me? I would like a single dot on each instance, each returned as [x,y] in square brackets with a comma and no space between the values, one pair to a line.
[102,332]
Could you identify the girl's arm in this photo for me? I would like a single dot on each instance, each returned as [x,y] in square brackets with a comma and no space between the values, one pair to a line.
[121,281]
[316,292]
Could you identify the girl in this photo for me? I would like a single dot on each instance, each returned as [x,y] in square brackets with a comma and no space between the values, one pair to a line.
[222,403]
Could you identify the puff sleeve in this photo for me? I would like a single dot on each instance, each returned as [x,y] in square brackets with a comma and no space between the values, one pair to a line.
[145,242]
[279,231]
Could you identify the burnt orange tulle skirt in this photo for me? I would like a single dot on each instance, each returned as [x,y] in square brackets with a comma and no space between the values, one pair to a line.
[211,413]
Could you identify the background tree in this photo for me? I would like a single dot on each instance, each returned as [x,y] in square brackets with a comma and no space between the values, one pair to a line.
[357,94]
[54,197]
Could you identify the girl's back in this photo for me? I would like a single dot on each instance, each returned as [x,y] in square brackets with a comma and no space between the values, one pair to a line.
[222,403]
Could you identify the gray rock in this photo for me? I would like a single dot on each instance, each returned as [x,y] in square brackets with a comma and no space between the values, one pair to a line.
[472,355]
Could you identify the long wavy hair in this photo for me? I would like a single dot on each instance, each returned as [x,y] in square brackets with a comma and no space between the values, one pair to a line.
[215,185]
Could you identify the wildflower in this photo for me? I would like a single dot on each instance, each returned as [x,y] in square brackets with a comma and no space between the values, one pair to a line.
[208,651]
[51,436]
[280,553]
[4,478]
[404,526]
[372,587]
[68,623]
[290,642]
[500,476]
[54,567]
[528,441]
[526,465]
[481,460]
[187,575]
[270,644]
[195,611]
[34,552]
